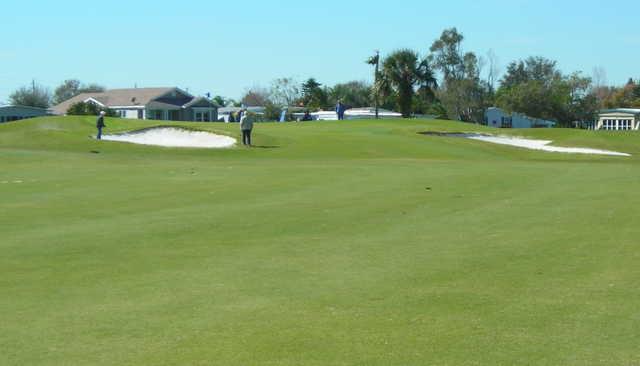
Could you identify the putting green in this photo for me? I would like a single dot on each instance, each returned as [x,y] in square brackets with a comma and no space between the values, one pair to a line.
[334,243]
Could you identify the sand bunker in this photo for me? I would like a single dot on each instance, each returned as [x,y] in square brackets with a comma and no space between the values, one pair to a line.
[173,137]
[532,144]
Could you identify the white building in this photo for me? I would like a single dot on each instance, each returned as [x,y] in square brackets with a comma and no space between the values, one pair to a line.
[10,113]
[353,113]
[620,119]
[225,112]
[496,117]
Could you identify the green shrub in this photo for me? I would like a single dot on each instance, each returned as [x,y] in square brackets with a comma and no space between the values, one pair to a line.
[88,109]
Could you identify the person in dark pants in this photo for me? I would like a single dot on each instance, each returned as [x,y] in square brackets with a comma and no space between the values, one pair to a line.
[246,125]
[100,124]
[340,109]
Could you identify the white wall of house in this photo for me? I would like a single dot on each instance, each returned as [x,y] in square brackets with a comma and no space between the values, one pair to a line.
[130,113]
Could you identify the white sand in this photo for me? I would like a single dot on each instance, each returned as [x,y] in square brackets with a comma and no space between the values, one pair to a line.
[174,137]
[542,145]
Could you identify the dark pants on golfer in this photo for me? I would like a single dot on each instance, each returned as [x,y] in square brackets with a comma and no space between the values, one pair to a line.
[99,137]
[246,137]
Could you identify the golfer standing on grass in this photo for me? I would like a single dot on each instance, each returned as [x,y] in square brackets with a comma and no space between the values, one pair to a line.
[340,109]
[100,124]
[246,125]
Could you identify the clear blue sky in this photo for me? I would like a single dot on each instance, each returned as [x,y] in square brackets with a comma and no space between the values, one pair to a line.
[223,48]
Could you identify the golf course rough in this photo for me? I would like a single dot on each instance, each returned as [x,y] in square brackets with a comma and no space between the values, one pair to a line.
[337,243]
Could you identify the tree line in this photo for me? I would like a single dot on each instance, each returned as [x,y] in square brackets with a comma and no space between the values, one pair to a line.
[37,95]
[445,82]
[308,95]
[448,82]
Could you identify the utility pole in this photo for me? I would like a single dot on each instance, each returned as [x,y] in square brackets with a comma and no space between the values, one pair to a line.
[375,60]
[376,80]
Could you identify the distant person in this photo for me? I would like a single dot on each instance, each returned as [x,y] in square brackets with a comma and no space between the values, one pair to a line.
[307,116]
[100,124]
[246,125]
[340,109]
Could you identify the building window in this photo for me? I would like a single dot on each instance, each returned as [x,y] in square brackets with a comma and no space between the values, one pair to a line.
[617,124]
[122,113]
[202,116]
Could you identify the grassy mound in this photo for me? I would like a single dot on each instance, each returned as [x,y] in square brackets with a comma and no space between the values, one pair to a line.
[337,243]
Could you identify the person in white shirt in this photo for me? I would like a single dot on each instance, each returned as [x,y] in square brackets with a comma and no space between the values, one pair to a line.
[246,125]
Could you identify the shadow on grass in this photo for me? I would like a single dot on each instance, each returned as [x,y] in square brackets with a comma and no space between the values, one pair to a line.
[265,147]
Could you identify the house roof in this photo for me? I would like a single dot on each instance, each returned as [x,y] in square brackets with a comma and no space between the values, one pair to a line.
[116,98]
[621,110]
[199,101]
[23,107]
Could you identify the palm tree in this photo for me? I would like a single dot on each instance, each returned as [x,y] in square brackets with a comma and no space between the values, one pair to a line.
[403,72]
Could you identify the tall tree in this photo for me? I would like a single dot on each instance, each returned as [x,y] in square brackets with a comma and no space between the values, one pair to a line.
[353,94]
[494,70]
[255,97]
[72,87]
[536,87]
[285,92]
[446,54]
[34,95]
[537,69]
[313,95]
[627,96]
[220,101]
[599,86]
[402,72]
[462,93]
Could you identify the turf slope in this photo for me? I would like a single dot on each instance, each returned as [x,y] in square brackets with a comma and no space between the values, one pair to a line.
[355,243]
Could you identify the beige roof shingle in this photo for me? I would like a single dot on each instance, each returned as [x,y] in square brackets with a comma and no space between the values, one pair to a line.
[115,97]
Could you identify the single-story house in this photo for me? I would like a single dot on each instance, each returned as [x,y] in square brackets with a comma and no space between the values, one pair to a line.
[496,117]
[172,104]
[619,119]
[10,113]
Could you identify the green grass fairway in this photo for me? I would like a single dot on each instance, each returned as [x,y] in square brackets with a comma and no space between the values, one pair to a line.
[355,243]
